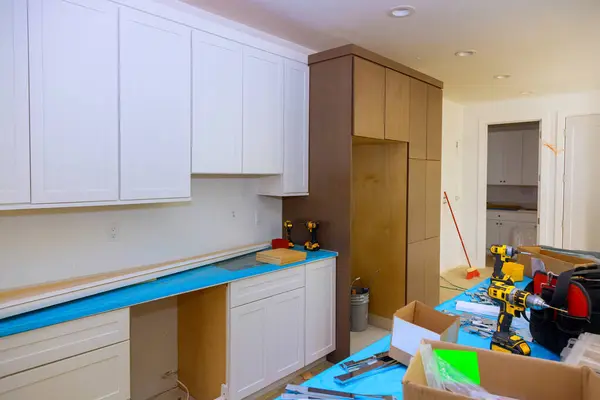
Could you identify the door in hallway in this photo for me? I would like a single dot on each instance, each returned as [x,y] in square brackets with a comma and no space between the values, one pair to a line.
[581,225]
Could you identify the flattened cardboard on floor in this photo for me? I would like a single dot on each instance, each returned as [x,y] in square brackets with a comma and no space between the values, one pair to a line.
[415,322]
[553,261]
[509,375]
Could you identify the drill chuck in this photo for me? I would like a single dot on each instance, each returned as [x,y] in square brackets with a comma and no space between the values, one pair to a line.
[536,303]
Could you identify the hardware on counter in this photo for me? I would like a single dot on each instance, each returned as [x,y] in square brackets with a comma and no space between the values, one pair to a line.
[287,225]
[513,303]
[312,244]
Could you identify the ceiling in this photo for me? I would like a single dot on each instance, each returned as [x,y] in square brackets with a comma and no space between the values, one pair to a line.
[548,46]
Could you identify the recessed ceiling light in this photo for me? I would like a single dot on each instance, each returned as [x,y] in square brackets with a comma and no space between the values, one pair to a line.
[465,53]
[505,76]
[402,11]
[527,93]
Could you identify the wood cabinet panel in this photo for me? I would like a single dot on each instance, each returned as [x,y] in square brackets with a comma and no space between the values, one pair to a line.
[369,99]
[418,120]
[417,178]
[433,199]
[434,123]
[423,271]
[397,106]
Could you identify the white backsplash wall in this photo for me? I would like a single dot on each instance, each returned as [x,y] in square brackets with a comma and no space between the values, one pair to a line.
[49,245]
[523,195]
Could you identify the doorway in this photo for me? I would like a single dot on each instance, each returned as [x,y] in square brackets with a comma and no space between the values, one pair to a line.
[581,213]
[513,177]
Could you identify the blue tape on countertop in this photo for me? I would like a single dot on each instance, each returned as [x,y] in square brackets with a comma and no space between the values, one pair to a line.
[171,285]
[390,382]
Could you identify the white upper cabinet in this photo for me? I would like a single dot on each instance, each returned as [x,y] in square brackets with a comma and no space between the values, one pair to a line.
[513,158]
[155,67]
[217,104]
[14,103]
[73,60]
[263,112]
[531,152]
[495,169]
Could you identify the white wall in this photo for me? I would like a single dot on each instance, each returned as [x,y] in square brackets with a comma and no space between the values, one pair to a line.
[552,111]
[451,253]
[41,246]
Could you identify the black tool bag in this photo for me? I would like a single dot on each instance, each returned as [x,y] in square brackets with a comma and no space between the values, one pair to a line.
[577,291]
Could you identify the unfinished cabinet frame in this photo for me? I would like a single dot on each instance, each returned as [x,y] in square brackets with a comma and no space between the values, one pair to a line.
[368,115]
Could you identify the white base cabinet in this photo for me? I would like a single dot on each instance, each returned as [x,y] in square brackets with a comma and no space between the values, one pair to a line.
[513,228]
[283,325]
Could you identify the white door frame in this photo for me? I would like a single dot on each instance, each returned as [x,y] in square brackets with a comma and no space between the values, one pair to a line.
[547,171]
[561,129]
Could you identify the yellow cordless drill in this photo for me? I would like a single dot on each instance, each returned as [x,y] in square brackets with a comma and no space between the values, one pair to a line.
[513,303]
[312,244]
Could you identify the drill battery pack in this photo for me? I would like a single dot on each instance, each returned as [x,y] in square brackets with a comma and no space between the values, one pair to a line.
[577,291]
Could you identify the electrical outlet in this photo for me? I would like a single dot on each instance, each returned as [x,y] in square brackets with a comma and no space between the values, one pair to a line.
[113,233]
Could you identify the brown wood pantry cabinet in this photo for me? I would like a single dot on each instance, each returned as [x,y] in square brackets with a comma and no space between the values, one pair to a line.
[375,180]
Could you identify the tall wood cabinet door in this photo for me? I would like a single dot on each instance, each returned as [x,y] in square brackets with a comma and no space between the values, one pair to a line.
[295,163]
[14,103]
[418,120]
[432,272]
[263,113]
[423,271]
[434,123]
[433,198]
[320,309]
[249,346]
[397,106]
[73,59]
[369,99]
[155,66]
[98,375]
[531,150]
[513,157]
[417,204]
[217,104]
[286,334]
[495,158]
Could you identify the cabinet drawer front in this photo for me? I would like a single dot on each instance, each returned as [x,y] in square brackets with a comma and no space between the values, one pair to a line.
[515,216]
[260,287]
[42,346]
[101,374]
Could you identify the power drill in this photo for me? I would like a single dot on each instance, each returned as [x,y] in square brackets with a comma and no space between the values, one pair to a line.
[513,303]
[312,244]
[287,225]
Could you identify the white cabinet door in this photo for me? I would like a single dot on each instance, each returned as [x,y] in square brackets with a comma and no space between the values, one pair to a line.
[217,104]
[531,151]
[492,233]
[98,375]
[155,66]
[507,232]
[248,349]
[263,112]
[14,103]
[286,334]
[73,60]
[295,162]
[495,169]
[513,157]
[320,309]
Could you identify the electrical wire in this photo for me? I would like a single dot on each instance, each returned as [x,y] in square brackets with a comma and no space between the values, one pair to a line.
[451,288]
[187,391]
[456,286]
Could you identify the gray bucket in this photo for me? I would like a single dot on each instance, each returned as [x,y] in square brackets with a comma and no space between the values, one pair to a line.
[359,313]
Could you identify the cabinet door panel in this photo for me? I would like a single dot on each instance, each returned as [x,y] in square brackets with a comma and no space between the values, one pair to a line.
[418,120]
[434,123]
[495,167]
[397,106]
[417,204]
[369,99]
[295,163]
[513,157]
[14,103]
[433,199]
[286,334]
[320,309]
[248,349]
[73,57]
[492,233]
[217,104]
[101,374]
[530,158]
[508,231]
[155,61]
[263,112]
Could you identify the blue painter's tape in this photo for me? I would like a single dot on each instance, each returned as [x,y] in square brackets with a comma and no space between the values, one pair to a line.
[167,286]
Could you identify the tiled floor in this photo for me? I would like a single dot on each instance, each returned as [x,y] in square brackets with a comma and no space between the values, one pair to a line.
[360,340]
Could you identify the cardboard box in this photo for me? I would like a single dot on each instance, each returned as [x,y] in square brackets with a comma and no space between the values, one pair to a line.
[554,262]
[503,374]
[415,322]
